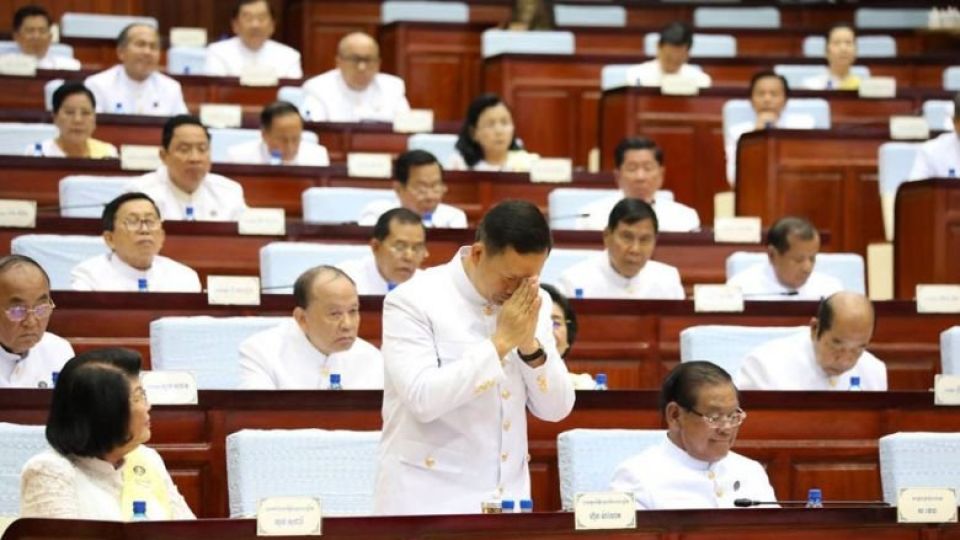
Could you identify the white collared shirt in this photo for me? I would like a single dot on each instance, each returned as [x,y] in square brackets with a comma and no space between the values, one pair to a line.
[218,198]
[59,487]
[230,57]
[34,369]
[789,363]
[671,215]
[759,282]
[50,148]
[650,73]
[937,157]
[444,216]
[257,152]
[596,278]
[50,61]
[108,272]
[666,477]
[117,93]
[732,137]
[366,276]
[282,358]
[454,412]
[329,99]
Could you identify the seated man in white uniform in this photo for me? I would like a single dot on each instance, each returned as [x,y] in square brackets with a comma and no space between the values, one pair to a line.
[639,174]
[133,230]
[624,269]
[281,142]
[29,355]
[940,157]
[399,245]
[355,90]
[788,273]
[673,51]
[31,32]
[183,187]
[695,467]
[135,85]
[418,183]
[251,49]
[319,342]
[768,97]
[828,357]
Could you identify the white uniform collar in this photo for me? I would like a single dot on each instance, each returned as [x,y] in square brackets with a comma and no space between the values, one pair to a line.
[302,343]
[772,278]
[125,269]
[461,281]
[681,456]
[611,274]
[7,356]
[811,355]
[178,193]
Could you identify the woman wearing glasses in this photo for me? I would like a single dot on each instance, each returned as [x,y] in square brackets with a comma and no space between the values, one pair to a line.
[98,467]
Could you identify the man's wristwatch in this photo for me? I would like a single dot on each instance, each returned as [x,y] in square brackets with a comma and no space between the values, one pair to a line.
[532,357]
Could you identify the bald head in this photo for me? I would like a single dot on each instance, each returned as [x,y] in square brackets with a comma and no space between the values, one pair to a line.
[358,59]
[841,331]
[313,278]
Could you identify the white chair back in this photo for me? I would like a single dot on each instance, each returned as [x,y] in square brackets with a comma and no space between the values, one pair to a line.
[736,111]
[16,137]
[867,46]
[18,443]
[84,196]
[888,18]
[97,25]
[950,351]
[614,76]
[441,145]
[895,159]
[48,89]
[56,49]
[186,60]
[847,267]
[939,114]
[406,10]
[736,17]
[564,204]
[704,45]
[560,259]
[918,459]
[339,204]
[727,345]
[570,15]
[796,74]
[496,42]
[292,94]
[281,263]
[951,78]
[58,254]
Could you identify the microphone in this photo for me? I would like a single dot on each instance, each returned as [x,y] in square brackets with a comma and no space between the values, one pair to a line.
[570,216]
[747,503]
[772,293]
[276,287]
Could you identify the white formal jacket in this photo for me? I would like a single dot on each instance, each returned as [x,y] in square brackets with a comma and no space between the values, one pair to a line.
[218,198]
[108,272]
[329,99]
[596,278]
[937,157]
[117,93]
[35,369]
[650,73]
[230,57]
[257,153]
[759,282]
[671,215]
[443,217]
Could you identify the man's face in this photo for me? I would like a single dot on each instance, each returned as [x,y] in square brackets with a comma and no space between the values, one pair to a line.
[284,135]
[401,252]
[672,57]
[794,266]
[358,61]
[253,25]
[137,234]
[496,277]
[23,286]
[188,157]
[332,318]
[424,189]
[34,36]
[640,176]
[838,349]
[694,434]
[76,118]
[768,97]
[630,246]
[141,54]
[494,130]
[841,48]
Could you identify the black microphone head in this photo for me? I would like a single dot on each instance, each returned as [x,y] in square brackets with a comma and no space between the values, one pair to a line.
[742,503]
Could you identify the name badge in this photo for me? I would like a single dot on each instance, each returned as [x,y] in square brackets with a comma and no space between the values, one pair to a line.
[927,505]
[369,165]
[233,290]
[183,36]
[909,128]
[738,230]
[139,157]
[712,298]
[289,516]
[263,221]
[938,298]
[678,85]
[551,171]
[878,87]
[946,389]
[414,121]
[16,213]
[724,205]
[605,510]
[221,116]
[20,65]
[258,76]
[170,387]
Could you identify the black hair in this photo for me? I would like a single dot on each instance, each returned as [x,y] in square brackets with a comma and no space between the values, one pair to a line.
[124,36]
[779,234]
[239,5]
[180,120]
[677,33]
[21,15]
[395,215]
[516,224]
[630,211]
[837,26]
[8,262]
[636,143]
[683,383]
[826,313]
[469,148]
[68,89]
[569,316]
[411,158]
[90,409]
[768,73]
[275,109]
[304,283]
[109,216]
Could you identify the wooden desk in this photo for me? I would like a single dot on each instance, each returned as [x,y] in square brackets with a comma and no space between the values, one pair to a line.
[927,236]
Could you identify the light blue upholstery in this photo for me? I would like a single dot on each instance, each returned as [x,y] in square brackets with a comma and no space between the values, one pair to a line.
[891,18]
[56,49]
[96,25]
[704,45]
[281,263]
[950,351]
[567,15]
[206,346]
[221,139]
[867,47]
[939,114]
[587,458]
[536,42]
[727,345]
[441,145]
[339,204]
[48,89]
[564,204]
[85,196]
[18,443]
[614,76]
[796,74]
[337,466]
[411,10]
[736,111]
[292,94]
[560,259]
[918,459]
[894,163]
[58,254]
[186,60]
[847,267]
[16,137]
[951,78]
[736,17]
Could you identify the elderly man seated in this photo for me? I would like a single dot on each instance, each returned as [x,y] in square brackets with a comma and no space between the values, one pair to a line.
[251,47]
[281,141]
[399,247]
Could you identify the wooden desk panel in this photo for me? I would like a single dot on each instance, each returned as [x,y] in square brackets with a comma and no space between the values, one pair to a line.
[927,235]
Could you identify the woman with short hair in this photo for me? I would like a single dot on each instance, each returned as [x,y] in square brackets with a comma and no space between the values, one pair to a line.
[488,140]
[74,114]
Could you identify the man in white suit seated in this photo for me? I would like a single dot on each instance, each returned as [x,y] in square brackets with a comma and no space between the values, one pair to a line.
[355,90]
[625,269]
[832,355]
[695,466]
[673,51]
[281,141]
[940,157]
[33,36]
[639,174]
[251,49]
[788,273]
[133,229]
[318,347]
[398,246]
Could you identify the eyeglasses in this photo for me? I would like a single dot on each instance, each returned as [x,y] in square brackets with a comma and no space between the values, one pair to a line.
[732,419]
[133,224]
[423,191]
[19,313]
[559,323]
[400,248]
[357,60]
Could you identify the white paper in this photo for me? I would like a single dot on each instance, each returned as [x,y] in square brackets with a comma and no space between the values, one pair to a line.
[169,387]
[604,510]
[369,165]
[289,516]
[738,230]
[233,290]
[183,36]
[909,128]
[927,505]
[712,298]
[263,221]
[20,65]
[257,75]
[216,115]
[18,213]
[414,121]
[552,171]
[938,298]
[724,204]
[946,389]
[678,85]
[139,157]
[878,87]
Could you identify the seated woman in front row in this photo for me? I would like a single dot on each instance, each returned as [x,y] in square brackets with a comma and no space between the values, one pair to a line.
[488,141]
[98,467]
[74,114]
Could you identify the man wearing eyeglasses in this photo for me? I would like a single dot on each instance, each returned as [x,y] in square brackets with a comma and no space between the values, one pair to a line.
[693,466]
[134,233]
[399,245]
[355,90]
[29,355]
[418,183]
